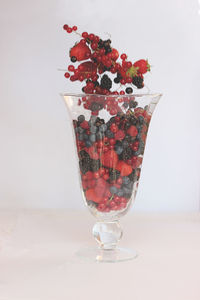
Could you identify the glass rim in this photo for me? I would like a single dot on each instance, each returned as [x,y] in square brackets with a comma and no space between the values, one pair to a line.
[112,96]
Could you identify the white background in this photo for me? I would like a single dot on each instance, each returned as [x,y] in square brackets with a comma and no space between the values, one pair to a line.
[37,160]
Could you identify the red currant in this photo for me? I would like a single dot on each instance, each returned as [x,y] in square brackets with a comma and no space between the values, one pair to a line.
[74,28]
[67,75]
[85,35]
[123,56]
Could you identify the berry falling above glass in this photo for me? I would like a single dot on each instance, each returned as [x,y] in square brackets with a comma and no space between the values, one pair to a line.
[110,130]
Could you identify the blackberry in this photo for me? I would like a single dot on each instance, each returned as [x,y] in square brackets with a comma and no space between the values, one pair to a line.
[94,165]
[127,154]
[84,164]
[129,90]
[83,154]
[106,43]
[106,82]
[138,82]
[114,174]
[133,120]
[73,59]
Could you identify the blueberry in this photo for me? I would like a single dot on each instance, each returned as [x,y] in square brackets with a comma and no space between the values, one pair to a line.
[93,129]
[103,128]
[80,129]
[120,193]
[127,190]
[109,134]
[118,149]
[85,136]
[99,136]
[80,137]
[126,180]
[81,118]
[92,120]
[113,189]
[92,137]
[88,144]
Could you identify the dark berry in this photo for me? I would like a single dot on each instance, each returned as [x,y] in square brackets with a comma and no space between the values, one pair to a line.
[114,174]
[133,104]
[73,59]
[126,154]
[138,82]
[94,165]
[81,118]
[106,82]
[129,90]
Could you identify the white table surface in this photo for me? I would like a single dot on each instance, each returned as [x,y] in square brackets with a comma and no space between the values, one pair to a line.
[37,260]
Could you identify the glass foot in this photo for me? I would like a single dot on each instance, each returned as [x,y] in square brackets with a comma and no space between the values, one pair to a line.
[106,255]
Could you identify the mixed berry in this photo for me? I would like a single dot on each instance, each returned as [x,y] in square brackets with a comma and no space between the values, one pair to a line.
[110,148]
[100,57]
[110,155]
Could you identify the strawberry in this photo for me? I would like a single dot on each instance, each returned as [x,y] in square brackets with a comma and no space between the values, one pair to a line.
[92,196]
[80,51]
[124,168]
[100,187]
[109,159]
[87,67]
[132,131]
[142,66]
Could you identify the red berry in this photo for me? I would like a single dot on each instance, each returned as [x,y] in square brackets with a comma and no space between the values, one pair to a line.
[91,36]
[123,56]
[67,75]
[84,125]
[106,176]
[69,29]
[80,51]
[85,35]
[65,27]
[96,175]
[114,128]
[94,46]
[121,93]
[120,135]
[132,131]
[71,68]
[142,66]
[74,28]
[112,142]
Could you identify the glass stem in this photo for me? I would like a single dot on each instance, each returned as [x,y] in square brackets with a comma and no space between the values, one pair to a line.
[107,234]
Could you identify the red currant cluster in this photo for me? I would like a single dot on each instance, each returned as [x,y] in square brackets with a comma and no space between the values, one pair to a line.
[100,57]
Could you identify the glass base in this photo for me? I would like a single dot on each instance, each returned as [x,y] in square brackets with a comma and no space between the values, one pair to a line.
[108,256]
